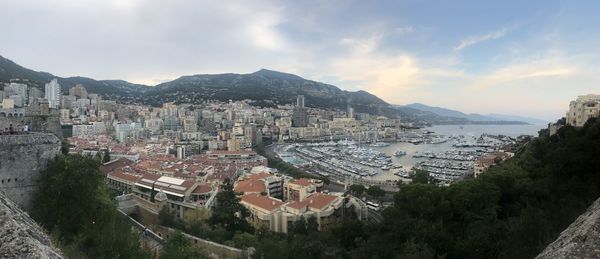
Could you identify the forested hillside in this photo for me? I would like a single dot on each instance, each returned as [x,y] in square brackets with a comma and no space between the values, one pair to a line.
[512,211]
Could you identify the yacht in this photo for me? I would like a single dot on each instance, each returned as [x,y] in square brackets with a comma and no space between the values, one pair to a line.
[380,144]
[399,153]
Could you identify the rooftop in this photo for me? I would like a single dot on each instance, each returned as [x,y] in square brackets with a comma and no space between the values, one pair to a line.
[250,186]
[319,200]
[303,182]
[115,164]
[264,202]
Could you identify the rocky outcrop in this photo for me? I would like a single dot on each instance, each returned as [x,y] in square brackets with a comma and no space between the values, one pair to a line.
[580,240]
[20,236]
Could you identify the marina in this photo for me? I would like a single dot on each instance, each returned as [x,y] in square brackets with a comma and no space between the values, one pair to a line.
[447,158]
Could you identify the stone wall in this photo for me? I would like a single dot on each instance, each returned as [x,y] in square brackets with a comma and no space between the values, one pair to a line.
[22,158]
[20,236]
[580,240]
[213,249]
[36,123]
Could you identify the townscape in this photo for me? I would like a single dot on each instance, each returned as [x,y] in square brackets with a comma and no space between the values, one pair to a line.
[299,129]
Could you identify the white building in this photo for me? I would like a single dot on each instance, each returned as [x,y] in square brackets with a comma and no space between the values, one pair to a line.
[582,109]
[124,132]
[16,89]
[52,93]
[18,100]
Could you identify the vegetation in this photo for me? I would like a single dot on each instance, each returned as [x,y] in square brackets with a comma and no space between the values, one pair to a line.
[357,189]
[179,247]
[375,191]
[228,213]
[74,204]
[225,224]
[512,211]
[420,176]
[168,218]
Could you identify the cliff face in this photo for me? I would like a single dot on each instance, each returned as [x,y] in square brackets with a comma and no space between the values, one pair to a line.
[580,240]
[20,236]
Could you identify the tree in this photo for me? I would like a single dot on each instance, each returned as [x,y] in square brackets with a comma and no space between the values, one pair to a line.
[72,195]
[299,227]
[179,247]
[64,147]
[421,176]
[228,212]
[74,203]
[312,225]
[326,180]
[200,214]
[349,232]
[106,156]
[168,218]
[376,191]
[357,189]
[243,240]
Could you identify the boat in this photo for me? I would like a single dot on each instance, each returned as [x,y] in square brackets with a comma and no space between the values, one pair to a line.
[380,144]
[399,153]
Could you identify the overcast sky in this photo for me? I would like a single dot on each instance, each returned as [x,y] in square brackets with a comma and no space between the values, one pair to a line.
[517,57]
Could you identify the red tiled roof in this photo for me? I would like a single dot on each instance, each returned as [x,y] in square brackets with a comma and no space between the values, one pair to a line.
[115,164]
[250,186]
[319,200]
[303,182]
[229,152]
[125,176]
[297,204]
[260,201]
[258,176]
[202,188]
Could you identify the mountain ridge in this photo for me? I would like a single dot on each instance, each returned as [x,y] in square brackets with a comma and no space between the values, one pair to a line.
[263,87]
[475,116]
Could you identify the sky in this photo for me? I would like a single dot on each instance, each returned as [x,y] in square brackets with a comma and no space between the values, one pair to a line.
[526,58]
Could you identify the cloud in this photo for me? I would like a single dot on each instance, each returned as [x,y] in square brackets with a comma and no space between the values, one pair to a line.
[362,45]
[550,66]
[393,54]
[405,29]
[470,41]
[396,77]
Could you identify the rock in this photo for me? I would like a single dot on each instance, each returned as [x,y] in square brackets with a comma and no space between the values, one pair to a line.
[20,236]
[580,240]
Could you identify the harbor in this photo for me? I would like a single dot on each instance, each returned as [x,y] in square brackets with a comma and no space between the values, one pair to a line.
[446,158]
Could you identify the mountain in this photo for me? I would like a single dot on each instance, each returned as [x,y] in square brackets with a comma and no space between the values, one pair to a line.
[474,117]
[12,72]
[519,118]
[263,88]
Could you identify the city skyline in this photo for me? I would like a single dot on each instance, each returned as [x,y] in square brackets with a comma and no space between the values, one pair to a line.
[524,59]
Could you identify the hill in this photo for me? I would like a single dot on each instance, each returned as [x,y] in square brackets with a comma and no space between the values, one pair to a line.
[12,72]
[263,88]
[476,118]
